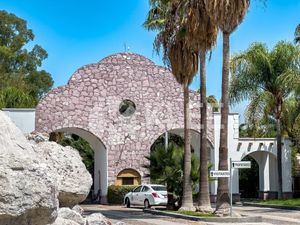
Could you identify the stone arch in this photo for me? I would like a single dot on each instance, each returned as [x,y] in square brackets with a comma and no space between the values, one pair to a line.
[195,140]
[128,176]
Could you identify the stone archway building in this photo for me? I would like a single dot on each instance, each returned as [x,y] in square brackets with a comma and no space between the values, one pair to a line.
[92,104]
[89,106]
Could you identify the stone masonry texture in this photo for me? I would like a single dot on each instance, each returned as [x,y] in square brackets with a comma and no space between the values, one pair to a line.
[91,99]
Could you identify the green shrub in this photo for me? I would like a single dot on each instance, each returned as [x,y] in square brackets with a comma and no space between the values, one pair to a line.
[115,194]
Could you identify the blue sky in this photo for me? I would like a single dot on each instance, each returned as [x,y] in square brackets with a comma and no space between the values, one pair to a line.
[78,32]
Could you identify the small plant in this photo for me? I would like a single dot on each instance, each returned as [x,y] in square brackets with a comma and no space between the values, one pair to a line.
[115,194]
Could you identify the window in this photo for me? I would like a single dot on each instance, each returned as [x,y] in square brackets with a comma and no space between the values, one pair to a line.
[145,189]
[127,180]
[127,108]
[138,189]
[159,188]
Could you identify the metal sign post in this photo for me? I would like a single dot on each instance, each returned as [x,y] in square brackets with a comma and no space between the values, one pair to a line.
[230,169]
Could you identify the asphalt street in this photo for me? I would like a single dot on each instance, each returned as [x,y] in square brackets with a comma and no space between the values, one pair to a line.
[136,216]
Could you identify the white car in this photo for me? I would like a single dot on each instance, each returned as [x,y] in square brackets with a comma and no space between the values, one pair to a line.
[147,195]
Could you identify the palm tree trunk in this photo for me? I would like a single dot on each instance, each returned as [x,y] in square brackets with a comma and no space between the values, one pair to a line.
[187,199]
[204,198]
[223,200]
[279,155]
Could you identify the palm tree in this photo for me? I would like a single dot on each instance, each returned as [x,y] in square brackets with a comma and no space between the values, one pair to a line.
[227,15]
[201,35]
[213,102]
[164,17]
[297,34]
[267,78]
[166,167]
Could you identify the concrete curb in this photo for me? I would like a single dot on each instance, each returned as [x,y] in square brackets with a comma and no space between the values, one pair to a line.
[250,219]
[271,206]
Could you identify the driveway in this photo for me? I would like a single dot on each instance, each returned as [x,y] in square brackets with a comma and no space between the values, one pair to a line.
[136,216]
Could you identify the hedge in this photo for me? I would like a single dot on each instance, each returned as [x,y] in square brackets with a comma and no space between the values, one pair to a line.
[115,194]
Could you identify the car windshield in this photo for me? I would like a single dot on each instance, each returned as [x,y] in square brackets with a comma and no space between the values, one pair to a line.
[159,188]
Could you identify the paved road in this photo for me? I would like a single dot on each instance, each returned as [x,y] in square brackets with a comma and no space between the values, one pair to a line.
[136,216]
[271,215]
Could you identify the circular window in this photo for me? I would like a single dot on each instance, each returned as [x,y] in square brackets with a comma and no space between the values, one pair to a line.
[127,107]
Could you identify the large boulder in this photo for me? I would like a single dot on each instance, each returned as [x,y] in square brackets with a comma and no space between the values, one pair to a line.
[64,164]
[28,196]
[97,219]
[69,214]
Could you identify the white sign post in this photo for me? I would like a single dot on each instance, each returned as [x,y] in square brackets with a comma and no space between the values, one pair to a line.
[226,174]
[236,165]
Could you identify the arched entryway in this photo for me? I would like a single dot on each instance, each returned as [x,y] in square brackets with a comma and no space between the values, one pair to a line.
[267,175]
[100,176]
[249,179]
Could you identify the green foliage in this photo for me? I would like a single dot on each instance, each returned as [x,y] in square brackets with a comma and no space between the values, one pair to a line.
[192,213]
[213,102]
[285,202]
[18,65]
[85,150]
[268,78]
[166,167]
[297,34]
[115,194]
[12,97]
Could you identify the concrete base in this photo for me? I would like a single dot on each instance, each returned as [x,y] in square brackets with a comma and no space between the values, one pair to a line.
[287,195]
[104,199]
[266,195]
[236,197]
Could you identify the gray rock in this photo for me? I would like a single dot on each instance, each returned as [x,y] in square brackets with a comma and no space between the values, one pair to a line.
[78,209]
[97,219]
[68,214]
[28,196]
[64,164]
[61,221]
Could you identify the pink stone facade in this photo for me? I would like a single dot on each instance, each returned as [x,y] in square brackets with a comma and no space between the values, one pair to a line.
[91,99]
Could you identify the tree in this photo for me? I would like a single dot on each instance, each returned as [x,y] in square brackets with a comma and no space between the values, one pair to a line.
[201,35]
[266,77]
[165,17]
[297,34]
[227,15]
[18,65]
[213,102]
[166,166]
[12,97]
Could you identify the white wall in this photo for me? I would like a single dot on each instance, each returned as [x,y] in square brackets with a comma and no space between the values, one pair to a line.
[233,138]
[23,118]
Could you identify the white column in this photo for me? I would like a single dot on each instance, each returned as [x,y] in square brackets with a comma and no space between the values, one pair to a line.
[286,167]
[266,172]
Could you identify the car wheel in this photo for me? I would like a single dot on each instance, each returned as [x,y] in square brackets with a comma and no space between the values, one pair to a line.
[147,204]
[127,202]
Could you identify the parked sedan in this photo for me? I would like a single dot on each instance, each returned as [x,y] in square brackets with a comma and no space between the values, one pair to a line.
[147,195]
